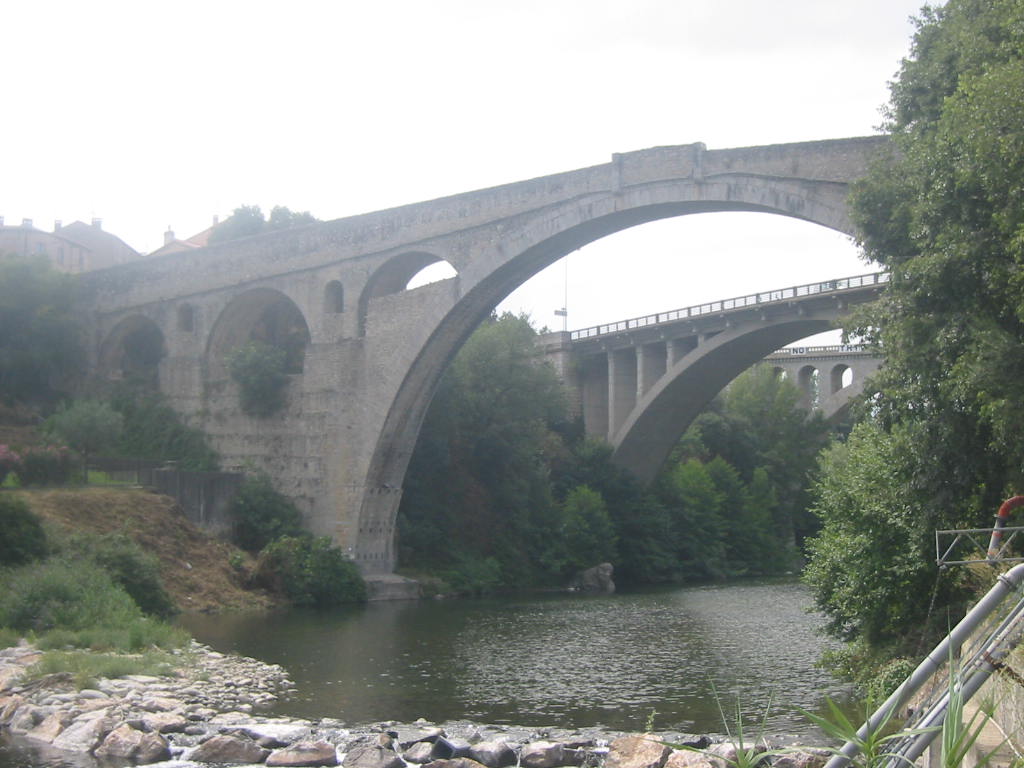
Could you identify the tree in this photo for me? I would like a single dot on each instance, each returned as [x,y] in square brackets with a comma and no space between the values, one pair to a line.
[943,214]
[88,426]
[248,220]
[41,349]
[259,369]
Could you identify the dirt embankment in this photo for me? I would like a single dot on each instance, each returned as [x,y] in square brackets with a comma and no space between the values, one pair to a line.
[195,566]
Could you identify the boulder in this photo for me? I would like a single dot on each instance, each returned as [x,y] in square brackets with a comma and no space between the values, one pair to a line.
[541,754]
[637,752]
[446,748]
[51,726]
[493,754]
[371,755]
[229,749]
[455,762]
[801,757]
[164,722]
[596,579]
[305,753]
[83,735]
[126,743]
[419,752]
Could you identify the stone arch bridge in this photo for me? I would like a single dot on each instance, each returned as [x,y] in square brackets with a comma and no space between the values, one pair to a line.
[365,352]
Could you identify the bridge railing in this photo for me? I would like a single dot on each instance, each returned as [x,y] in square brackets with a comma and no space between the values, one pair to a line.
[739,302]
[831,349]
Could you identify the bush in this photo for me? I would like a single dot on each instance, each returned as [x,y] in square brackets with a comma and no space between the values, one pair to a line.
[9,462]
[259,370]
[310,571]
[50,465]
[135,571]
[22,538]
[63,594]
[153,430]
[261,514]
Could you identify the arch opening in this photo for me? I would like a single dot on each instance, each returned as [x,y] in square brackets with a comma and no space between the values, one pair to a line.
[132,352]
[405,271]
[262,315]
[840,377]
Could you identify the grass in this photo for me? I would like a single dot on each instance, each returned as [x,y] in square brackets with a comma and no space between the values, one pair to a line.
[86,667]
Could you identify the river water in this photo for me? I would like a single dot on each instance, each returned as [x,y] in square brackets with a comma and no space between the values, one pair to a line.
[563,660]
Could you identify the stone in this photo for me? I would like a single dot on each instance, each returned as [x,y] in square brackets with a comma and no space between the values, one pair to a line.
[801,757]
[408,738]
[229,749]
[370,755]
[274,735]
[541,754]
[455,762]
[164,722]
[127,743]
[8,706]
[51,727]
[493,754]
[83,735]
[596,579]
[26,718]
[419,752]
[305,753]
[446,748]
[637,752]
[683,758]
[159,704]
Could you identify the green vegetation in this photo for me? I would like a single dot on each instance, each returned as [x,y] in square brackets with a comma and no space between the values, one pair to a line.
[310,571]
[261,514]
[88,426]
[260,370]
[248,220]
[40,348]
[153,430]
[87,667]
[22,538]
[503,492]
[45,465]
[940,444]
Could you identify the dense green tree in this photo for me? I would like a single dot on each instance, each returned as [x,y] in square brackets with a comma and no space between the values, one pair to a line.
[248,220]
[588,530]
[41,349]
[943,212]
[260,370]
[88,426]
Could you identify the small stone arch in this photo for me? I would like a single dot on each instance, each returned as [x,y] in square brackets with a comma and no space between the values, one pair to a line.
[132,352]
[808,380]
[840,377]
[334,298]
[186,318]
[393,277]
[261,314]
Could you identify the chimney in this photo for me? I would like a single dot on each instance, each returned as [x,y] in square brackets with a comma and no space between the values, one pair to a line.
[168,236]
[97,223]
[57,224]
[27,223]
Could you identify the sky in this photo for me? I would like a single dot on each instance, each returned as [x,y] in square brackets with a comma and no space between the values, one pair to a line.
[153,115]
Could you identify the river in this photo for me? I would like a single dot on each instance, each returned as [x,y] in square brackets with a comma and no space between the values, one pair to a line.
[566,660]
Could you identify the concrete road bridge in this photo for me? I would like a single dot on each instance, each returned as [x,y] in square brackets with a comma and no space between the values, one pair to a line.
[641,382]
[366,352]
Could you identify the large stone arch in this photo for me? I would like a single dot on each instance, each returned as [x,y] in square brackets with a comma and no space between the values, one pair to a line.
[259,314]
[132,351]
[539,240]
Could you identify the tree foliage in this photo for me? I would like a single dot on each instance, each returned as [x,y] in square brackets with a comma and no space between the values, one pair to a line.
[261,514]
[260,370]
[248,220]
[41,349]
[944,214]
[88,426]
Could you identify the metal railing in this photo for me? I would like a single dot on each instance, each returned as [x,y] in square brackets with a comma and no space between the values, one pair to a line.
[837,349]
[737,303]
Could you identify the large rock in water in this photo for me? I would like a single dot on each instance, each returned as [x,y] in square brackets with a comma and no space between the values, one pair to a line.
[596,579]
[127,743]
[229,749]
[637,752]
[305,753]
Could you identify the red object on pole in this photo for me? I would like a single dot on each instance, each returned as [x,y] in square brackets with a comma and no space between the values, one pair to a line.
[1001,517]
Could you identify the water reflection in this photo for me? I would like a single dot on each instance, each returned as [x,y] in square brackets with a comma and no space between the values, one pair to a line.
[544,660]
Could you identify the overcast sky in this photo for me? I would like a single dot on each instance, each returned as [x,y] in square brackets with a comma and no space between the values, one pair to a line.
[152,114]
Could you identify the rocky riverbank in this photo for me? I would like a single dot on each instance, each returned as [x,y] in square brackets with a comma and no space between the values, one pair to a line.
[208,713]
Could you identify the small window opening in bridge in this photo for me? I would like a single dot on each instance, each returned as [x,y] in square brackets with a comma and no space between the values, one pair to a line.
[186,318]
[807,381]
[334,298]
[432,273]
[842,377]
[780,373]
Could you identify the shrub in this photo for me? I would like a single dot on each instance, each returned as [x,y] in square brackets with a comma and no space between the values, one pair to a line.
[22,538]
[153,430]
[310,571]
[88,426]
[9,462]
[49,465]
[135,571]
[63,594]
[259,370]
[86,668]
[261,514]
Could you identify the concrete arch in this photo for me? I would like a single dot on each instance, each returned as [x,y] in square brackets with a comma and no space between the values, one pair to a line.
[647,436]
[392,277]
[539,240]
[260,314]
[132,351]
[836,376]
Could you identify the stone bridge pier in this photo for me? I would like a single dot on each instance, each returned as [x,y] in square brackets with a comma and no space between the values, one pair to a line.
[365,352]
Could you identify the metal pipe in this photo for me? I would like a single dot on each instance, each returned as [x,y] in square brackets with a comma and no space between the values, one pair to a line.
[1005,584]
